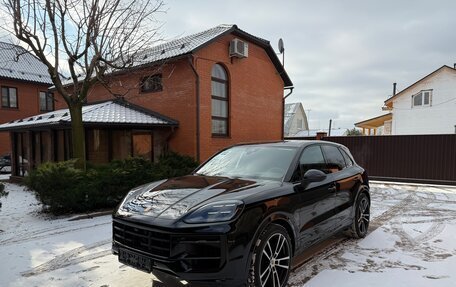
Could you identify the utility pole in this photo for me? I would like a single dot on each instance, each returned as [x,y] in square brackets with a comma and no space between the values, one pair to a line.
[329,130]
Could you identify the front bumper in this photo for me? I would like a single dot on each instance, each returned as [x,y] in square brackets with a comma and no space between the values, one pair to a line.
[200,258]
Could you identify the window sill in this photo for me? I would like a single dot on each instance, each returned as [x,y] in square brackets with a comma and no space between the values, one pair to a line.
[421,107]
[10,108]
[221,137]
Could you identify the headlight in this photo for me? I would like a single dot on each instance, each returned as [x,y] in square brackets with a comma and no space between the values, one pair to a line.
[215,212]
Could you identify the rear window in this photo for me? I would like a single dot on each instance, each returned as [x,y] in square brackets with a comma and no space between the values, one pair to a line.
[348,160]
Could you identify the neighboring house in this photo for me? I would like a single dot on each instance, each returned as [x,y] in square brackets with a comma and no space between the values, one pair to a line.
[380,125]
[216,88]
[24,82]
[336,132]
[295,119]
[428,106]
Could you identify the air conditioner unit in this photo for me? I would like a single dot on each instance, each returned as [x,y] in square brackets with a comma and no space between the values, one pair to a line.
[239,48]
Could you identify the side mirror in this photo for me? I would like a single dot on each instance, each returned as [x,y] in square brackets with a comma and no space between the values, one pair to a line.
[312,175]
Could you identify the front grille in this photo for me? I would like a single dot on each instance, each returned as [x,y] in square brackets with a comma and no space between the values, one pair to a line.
[179,252]
[153,242]
[198,253]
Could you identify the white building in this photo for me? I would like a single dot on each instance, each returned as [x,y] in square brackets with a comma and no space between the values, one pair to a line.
[295,119]
[428,106]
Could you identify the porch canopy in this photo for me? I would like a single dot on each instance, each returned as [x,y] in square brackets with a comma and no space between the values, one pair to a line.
[374,123]
[114,129]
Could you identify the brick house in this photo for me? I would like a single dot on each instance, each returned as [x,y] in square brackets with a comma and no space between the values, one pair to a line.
[220,87]
[24,82]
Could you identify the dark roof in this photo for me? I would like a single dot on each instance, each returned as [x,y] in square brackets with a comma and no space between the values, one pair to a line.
[188,45]
[18,64]
[192,43]
[417,82]
[112,112]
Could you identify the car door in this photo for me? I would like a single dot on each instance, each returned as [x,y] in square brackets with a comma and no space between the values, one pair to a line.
[314,202]
[345,179]
[347,187]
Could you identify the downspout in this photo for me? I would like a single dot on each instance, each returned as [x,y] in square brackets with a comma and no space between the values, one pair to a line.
[197,83]
[283,109]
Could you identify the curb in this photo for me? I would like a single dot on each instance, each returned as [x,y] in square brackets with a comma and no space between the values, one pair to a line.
[90,215]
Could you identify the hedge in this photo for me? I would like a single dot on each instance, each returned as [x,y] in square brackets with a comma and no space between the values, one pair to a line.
[64,189]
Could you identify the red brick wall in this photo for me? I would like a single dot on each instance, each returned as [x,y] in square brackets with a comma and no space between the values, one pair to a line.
[177,100]
[256,92]
[28,105]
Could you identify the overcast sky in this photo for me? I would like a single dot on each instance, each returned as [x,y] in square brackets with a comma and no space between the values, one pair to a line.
[342,56]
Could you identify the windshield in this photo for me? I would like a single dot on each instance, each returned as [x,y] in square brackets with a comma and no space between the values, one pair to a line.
[266,162]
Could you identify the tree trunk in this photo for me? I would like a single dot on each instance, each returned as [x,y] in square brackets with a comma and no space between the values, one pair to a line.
[78,135]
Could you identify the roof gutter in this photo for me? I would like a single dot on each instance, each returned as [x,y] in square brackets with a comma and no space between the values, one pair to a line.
[283,109]
[191,58]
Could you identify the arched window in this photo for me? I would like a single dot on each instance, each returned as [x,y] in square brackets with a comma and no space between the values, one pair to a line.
[220,101]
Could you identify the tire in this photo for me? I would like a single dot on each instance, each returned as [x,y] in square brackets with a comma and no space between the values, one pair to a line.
[271,258]
[361,219]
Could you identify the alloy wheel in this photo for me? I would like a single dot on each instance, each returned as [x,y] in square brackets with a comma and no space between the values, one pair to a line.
[275,261]
[363,215]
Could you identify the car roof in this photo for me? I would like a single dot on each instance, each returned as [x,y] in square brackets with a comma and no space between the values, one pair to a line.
[289,143]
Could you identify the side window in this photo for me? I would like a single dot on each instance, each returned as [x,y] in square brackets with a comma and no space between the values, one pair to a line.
[152,84]
[348,160]
[334,159]
[311,158]
[220,101]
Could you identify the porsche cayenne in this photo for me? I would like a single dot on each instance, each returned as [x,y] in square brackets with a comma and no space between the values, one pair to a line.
[243,215]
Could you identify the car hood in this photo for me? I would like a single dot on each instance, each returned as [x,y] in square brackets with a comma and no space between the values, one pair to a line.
[173,198]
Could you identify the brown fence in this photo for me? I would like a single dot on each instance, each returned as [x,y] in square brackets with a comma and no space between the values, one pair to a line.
[412,158]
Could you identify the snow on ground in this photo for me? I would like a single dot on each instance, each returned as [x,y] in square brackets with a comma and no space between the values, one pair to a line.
[38,251]
[4,176]
[411,243]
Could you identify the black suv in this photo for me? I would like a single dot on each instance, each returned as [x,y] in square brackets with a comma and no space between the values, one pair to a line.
[239,219]
[5,163]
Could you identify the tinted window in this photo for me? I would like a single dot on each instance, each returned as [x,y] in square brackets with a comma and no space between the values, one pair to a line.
[334,159]
[311,158]
[251,162]
[348,160]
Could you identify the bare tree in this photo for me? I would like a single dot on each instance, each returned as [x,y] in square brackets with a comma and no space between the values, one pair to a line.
[87,39]
[353,132]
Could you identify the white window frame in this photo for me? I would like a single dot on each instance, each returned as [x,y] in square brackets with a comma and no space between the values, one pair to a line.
[422,94]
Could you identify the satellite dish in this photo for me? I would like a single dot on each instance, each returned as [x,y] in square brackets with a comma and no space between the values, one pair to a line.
[281,48]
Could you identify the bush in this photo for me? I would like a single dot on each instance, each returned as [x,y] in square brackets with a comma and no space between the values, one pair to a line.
[60,186]
[64,189]
[173,165]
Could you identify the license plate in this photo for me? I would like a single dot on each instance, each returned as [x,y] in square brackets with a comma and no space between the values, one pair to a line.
[135,260]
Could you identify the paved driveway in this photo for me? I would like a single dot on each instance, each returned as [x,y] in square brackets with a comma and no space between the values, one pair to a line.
[412,242]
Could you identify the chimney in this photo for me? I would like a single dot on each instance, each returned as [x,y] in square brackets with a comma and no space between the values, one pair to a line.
[320,135]
[394,88]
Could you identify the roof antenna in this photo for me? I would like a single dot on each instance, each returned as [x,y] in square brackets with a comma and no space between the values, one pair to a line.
[282,51]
